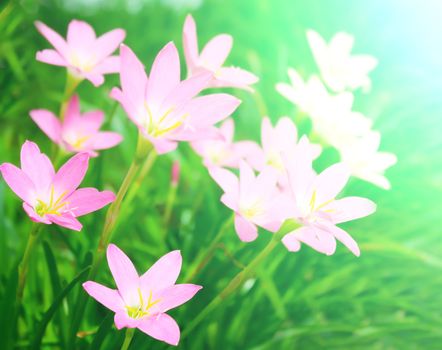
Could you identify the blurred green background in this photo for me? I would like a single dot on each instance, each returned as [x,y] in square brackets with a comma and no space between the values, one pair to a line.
[389,298]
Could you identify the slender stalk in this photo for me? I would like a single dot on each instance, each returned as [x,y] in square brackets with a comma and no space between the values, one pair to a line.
[128,338]
[205,255]
[169,206]
[144,148]
[238,280]
[71,84]
[24,264]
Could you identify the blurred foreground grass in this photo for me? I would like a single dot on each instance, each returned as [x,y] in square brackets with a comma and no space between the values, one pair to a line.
[389,298]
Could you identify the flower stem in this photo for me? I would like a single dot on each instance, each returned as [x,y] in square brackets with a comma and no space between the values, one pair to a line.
[128,338]
[238,280]
[71,84]
[24,264]
[144,148]
[204,257]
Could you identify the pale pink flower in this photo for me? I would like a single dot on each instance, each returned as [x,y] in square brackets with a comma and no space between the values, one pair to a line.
[278,140]
[315,205]
[256,201]
[77,132]
[212,58]
[85,55]
[223,151]
[165,108]
[340,69]
[142,301]
[364,160]
[49,196]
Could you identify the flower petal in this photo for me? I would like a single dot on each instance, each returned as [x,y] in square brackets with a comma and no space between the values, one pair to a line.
[54,38]
[344,238]
[81,37]
[216,51]
[37,166]
[190,42]
[163,273]
[86,200]
[124,273]
[164,75]
[330,182]
[50,56]
[177,295]
[161,327]
[65,220]
[70,175]
[247,231]
[111,64]
[235,77]
[105,140]
[48,123]
[19,182]
[225,179]
[109,298]
[106,44]
[350,208]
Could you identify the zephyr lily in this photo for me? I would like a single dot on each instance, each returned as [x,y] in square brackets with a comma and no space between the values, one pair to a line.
[165,108]
[212,58]
[315,205]
[307,95]
[77,132]
[278,140]
[142,301]
[364,160]
[222,151]
[85,55]
[49,196]
[256,201]
[339,69]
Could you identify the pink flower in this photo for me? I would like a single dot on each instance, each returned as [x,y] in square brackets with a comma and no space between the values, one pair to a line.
[51,197]
[315,205]
[256,201]
[165,108]
[222,151]
[175,173]
[142,302]
[77,133]
[278,140]
[212,58]
[85,55]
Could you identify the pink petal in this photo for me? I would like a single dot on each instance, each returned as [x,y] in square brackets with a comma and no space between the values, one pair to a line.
[133,78]
[291,242]
[37,166]
[65,220]
[19,182]
[51,57]
[330,182]
[177,295]
[350,208]
[48,123]
[246,180]
[190,42]
[54,38]
[210,109]
[164,75]
[163,273]
[124,273]
[70,175]
[34,216]
[235,77]
[216,51]
[109,298]
[266,134]
[72,114]
[106,44]
[161,327]
[247,232]
[287,133]
[322,242]
[89,122]
[227,129]
[122,320]
[110,64]
[163,146]
[105,140]
[127,105]
[344,238]
[81,36]
[95,78]
[225,179]
[86,200]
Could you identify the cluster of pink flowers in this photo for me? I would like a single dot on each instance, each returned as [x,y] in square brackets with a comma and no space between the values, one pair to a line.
[276,180]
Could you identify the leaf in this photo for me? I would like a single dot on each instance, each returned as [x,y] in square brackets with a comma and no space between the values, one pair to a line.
[41,328]
[8,311]
[103,330]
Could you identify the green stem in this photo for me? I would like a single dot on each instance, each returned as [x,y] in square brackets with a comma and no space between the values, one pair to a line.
[204,257]
[238,280]
[128,338]
[71,84]
[144,148]
[24,264]
[169,206]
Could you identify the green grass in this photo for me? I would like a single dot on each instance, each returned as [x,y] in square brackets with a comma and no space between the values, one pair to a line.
[389,298]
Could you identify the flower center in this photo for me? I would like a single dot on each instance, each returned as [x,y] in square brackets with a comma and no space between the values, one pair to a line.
[83,63]
[159,126]
[250,211]
[275,161]
[141,309]
[53,207]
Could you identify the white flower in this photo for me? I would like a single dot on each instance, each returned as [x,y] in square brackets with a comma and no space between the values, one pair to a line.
[339,69]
